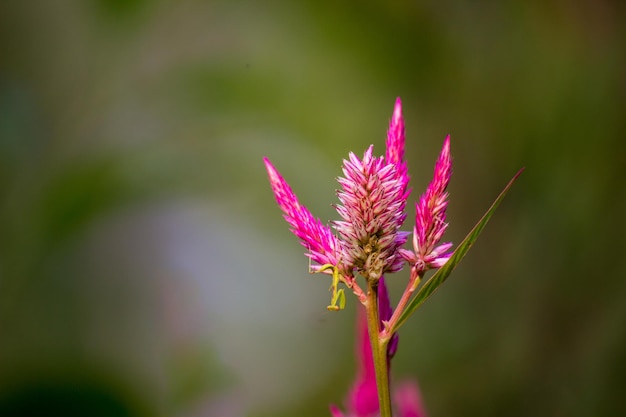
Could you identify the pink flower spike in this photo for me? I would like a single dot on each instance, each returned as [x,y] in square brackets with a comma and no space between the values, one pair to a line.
[395,144]
[408,400]
[372,208]
[430,217]
[323,246]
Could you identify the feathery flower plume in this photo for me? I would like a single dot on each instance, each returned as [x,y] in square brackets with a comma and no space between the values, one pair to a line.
[373,196]
[395,147]
[430,219]
[372,209]
[323,246]
[395,155]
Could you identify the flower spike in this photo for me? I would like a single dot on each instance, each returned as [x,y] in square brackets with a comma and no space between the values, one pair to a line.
[395,146]
[372,209]
[430,219]
[395,155]
[322,245]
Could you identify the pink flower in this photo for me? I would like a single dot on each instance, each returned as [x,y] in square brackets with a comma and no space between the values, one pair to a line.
[372,209]
[430,219]
[322,245]
[373,196]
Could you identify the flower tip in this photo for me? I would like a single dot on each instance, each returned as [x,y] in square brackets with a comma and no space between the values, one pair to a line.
[397,121]
[271,171]
[395,139]
[409,400]
[444,157]
[397,110]
[335,411]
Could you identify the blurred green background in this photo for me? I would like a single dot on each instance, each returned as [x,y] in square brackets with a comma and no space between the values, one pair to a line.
[145,269]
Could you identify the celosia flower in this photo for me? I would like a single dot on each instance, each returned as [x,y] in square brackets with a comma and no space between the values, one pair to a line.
[373,196]
[395,155]
[362,401]
[372,210]
[323,246]
[430,219]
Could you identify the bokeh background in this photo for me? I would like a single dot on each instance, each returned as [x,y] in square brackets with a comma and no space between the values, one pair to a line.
[145,269]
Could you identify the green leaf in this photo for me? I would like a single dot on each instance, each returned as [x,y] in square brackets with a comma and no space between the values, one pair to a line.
[442,274]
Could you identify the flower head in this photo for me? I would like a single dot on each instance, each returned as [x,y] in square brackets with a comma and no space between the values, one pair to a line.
[323,246]
[430,219]
[372,208]
[373,200]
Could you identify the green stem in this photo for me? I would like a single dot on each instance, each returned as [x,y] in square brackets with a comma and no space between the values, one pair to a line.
[379,350]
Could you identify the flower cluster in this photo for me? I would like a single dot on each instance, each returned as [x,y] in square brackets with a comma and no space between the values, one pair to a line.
[373,196]
[372,212]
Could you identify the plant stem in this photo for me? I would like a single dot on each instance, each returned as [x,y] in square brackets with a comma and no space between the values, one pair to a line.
[406,296]
[379,350]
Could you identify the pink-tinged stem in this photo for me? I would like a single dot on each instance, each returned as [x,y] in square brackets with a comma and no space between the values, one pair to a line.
[356,289]
[412,285]
[379,350]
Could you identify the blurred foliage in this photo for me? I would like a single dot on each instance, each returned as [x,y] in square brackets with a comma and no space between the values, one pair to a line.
[145,270]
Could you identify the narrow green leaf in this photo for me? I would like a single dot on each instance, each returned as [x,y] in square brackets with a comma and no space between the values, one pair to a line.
[442,274]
